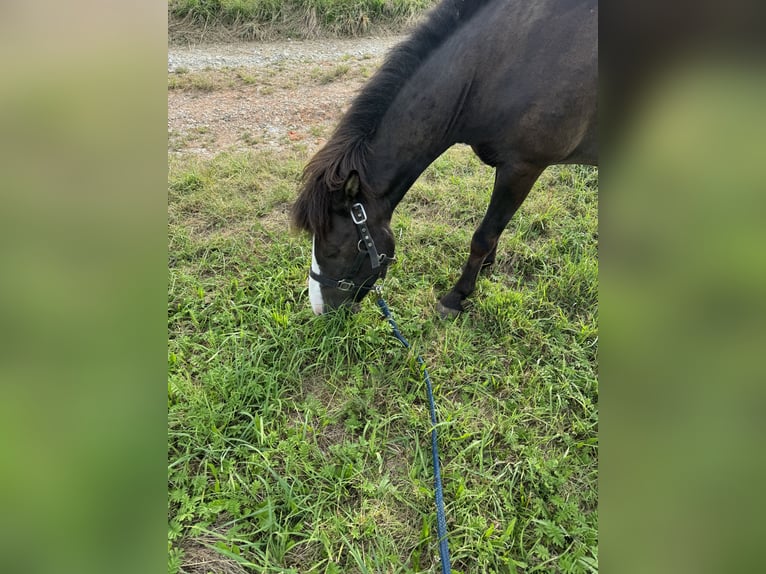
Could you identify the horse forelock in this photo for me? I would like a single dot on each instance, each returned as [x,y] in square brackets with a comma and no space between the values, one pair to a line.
[323,176]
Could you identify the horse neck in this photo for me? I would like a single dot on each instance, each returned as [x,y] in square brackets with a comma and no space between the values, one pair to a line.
[414,131]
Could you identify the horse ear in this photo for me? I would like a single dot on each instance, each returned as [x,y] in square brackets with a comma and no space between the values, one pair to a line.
[351,187]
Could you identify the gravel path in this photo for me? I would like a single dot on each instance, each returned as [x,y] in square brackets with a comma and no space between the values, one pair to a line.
[259,54]
[264,95]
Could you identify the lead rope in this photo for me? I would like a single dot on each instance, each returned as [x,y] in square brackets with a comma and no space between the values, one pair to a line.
[441,521]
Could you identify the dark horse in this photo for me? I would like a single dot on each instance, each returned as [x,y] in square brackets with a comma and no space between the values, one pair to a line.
[514,79]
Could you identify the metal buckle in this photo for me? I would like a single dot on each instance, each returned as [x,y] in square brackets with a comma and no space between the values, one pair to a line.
[345,285]
[362,214]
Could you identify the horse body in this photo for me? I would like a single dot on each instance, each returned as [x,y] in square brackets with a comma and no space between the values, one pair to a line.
[515,80]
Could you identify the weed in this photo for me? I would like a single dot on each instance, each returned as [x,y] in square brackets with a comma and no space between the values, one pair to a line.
[251,140]
[246,77]
[205,81]
[318,131]
[324,76]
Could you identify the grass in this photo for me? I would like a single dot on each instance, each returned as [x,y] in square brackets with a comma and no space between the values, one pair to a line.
[259,19]
[328,76]
[267,79]
[301,443]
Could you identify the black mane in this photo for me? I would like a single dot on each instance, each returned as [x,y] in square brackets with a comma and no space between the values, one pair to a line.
[347,148]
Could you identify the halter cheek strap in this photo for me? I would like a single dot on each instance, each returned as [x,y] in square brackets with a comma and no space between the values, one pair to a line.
[359,217]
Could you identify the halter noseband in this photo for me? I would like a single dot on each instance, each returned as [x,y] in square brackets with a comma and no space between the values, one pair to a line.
[359,217]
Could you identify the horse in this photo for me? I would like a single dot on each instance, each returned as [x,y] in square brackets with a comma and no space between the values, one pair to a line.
[516,80]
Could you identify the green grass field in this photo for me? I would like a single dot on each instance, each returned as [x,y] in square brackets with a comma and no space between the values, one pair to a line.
[301,443]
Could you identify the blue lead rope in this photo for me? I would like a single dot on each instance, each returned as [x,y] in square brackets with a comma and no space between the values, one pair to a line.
[441,521]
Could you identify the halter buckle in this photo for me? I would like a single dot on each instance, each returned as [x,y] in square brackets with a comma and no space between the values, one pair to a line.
[358,214]
[345,285]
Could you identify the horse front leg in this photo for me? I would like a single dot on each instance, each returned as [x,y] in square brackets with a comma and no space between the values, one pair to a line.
[512,184]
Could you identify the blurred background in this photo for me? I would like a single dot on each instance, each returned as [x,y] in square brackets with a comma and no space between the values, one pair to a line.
[682,275]
[82,275]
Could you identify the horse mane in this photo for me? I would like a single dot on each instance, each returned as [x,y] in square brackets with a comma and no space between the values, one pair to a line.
[347,148]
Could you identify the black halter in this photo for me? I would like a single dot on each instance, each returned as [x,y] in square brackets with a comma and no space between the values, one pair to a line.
[366,247]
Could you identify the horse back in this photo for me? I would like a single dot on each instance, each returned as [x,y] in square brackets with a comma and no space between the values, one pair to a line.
[532,69]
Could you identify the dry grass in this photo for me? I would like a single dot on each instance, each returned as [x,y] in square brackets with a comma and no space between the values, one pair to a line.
[194,21]
[201,557]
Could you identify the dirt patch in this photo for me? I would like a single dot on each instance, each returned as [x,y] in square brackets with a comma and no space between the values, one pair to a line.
[270,95]
[252,117]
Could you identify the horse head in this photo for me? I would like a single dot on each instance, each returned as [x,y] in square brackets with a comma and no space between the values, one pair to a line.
[351,249]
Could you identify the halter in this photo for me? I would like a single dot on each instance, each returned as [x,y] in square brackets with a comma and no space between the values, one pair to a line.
[366,247]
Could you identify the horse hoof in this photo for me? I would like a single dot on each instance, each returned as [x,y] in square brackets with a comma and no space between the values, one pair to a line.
[446,312]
